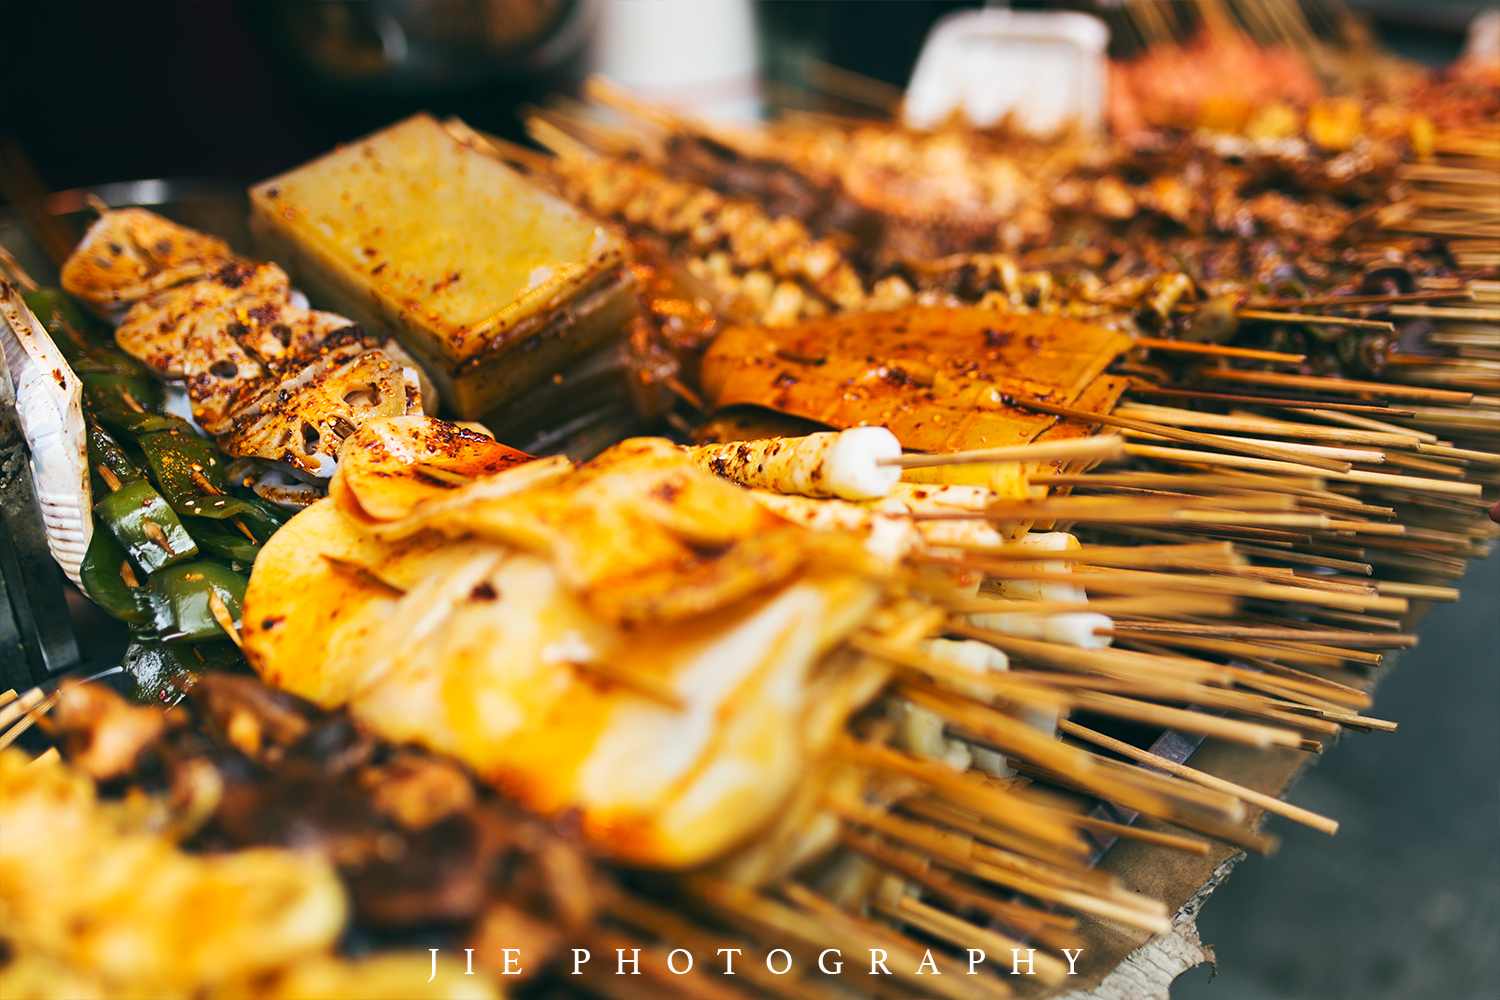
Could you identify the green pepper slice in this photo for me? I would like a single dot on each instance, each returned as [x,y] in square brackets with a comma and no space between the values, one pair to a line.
[216,539]
[106,453]
[143,523]
[179,600]
[190,471]
[67,324]
[129,402]
[164,671]
[107,576]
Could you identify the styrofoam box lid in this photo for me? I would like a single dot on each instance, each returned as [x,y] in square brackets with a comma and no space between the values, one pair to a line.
[1047,67]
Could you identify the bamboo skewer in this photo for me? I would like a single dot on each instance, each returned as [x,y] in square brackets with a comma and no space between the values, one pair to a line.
[1312,319]
[957,856]
[1189,845]
[1306,817]
[1375,407]
[1342,637]
[1220,350]
[1150,606]
[1293,451]
[1135,581]
[1001,808]
[38,708]
[1126,796]
[1355,420]
[1045,925]
[1361,300]
[1342,387]
[1440,312]
[1181,456]
[1178,434]
[1266,425]
[1111,555]
[1097,448]
[938,923]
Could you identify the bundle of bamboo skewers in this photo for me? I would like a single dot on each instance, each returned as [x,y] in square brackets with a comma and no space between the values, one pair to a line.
[1258,553]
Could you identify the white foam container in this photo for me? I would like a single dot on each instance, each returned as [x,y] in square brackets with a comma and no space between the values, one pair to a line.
[1048,68]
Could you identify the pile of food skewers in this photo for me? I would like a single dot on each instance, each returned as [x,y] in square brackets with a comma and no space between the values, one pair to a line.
[979,464]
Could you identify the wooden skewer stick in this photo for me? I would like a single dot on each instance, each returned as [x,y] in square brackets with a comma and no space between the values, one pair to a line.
[1167,604]
[17,273]
[1219,350]
[1304,816]
[947,927]
[955,856]
[1188,483]
[1233,730]
[1307,656]
[1342,386]
[1001,684]
[1376,407]
[221,615]
[1125,581]
[1098,448]
[29,719]
[1081,507]
[1303,558]
[1187,437]
[1354,420]
[1466,454]
[915,865]
[1127,509]
[1309,319]
[1419,591]
[1265,425]
[671,925]
[1415,483]
[1362,300]
[1298,680]
[1447,175]
[939,810]
[1112,555]
[1440,312]
[1002,808]
[1292,451]
[1172,841]
[1229,833]
[1341,637]
[15,707]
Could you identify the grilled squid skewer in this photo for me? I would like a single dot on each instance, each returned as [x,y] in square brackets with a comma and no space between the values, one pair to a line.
[844,464]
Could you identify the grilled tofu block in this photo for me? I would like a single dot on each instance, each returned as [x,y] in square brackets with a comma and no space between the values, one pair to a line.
[939,379]
[489,281]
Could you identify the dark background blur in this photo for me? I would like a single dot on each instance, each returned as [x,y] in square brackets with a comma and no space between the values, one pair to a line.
[98,92]
[1405,902]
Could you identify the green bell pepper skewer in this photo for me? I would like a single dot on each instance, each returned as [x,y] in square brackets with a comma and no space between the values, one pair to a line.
[106,454]
[110,579]
[145,525]
[131,403]
[179,600]
[163,671]
[191,473]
